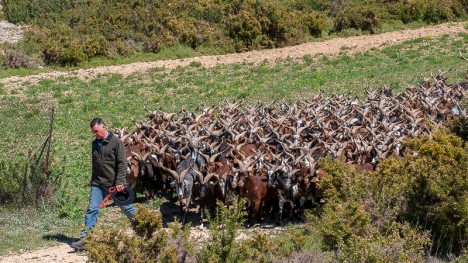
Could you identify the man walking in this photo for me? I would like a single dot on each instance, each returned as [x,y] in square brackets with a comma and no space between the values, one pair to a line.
[109,170]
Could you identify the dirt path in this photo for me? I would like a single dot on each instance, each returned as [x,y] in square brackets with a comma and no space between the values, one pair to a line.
[330,47]
[62,252]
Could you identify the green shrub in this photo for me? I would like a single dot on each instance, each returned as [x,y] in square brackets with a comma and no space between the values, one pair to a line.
[359,220]
[151,243]
[224,227]
[2,15]
[342,221]
[243,26]
[315,22]
[459,127]
[438,199]
[11,181]
[17,11]
[25,11]
[463,257]
[258,24]
[279,27]
[259,248]
[431,11]
[361,15]
[223,245]
[436,11]
[398,243]
[427,192]
[342,182]
[152,43]
[66,52]
[95,45]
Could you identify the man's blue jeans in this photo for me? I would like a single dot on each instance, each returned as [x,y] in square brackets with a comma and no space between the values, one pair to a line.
[98,194]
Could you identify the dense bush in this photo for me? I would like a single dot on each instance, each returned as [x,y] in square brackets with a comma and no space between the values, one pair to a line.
[439,196]
[150,243]
[459,126]
[389,215]
[25,11]
[315,23]
[358,15]
[431,11]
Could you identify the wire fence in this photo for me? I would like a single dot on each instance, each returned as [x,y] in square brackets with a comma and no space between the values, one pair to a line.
[25,126]
[27,129]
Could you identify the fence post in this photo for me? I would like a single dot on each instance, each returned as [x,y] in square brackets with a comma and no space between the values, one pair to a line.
[51,125]
[25,177]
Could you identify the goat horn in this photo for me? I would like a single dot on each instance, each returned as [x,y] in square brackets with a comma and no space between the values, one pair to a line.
[209,176]
[172,173]
[213,158]
[197,140]
[199,175]
[239,135]
[146,156]
[123,138]
[240,163]
[138,157]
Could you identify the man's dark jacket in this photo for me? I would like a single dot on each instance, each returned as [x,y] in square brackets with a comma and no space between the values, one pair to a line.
[109,163]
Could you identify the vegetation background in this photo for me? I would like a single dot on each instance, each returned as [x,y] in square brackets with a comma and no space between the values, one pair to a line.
[70,34]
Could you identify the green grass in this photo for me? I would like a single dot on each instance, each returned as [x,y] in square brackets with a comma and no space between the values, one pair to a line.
[121,100]
[27,229]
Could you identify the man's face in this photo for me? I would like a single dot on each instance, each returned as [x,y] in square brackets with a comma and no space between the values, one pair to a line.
[99,131]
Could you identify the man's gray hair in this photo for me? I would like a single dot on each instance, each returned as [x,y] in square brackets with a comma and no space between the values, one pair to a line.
[96,121]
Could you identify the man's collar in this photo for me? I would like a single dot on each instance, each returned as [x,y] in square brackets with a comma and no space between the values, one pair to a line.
[109,136]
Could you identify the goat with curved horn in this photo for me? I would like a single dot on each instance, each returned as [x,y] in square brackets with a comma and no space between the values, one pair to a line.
[213,158]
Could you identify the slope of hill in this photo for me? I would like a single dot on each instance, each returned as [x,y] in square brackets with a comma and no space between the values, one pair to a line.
[62,252]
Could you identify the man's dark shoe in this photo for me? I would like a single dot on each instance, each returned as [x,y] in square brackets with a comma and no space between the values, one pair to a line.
[78,245]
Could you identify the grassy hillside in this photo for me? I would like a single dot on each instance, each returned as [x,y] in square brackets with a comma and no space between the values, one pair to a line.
[120,100]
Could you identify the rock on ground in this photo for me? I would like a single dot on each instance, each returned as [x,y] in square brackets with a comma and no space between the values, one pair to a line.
[10,33]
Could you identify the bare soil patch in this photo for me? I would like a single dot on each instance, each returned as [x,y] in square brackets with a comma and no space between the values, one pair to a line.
[63,253]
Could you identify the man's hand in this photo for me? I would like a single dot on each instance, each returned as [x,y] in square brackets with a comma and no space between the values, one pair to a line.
[119,187]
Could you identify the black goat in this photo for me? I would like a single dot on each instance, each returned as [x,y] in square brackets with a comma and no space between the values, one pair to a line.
[185,177]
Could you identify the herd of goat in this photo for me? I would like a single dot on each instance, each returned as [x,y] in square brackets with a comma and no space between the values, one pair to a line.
[269,153]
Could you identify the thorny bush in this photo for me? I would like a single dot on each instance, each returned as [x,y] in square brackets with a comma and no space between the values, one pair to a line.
[409,206]
[14,59]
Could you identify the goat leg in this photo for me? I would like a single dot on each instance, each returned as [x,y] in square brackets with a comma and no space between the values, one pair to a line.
[281,202]
[202,210]
[187,206]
